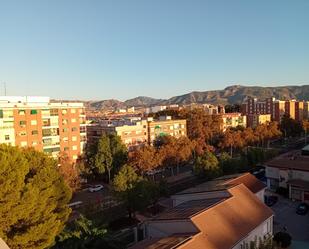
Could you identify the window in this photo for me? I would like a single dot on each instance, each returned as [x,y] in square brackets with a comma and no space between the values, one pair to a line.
[74,157]
[1,113]
[66,148]
[74,138]
[22,133]
[34,122]
[33,112]
[23,143]
[65,139]
[34,143]
[74,128]
[73,111]
[64,121]
[34,132]
[54,112]
[73,120]
[21,112]
[64,111]
[7,137]
[65,129]
[22,123]
[74,147]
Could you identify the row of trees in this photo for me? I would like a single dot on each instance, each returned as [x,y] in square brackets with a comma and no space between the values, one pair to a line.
[243,137]
[166,152]
[211,166]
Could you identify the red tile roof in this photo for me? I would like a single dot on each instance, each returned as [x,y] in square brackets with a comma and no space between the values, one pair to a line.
[250,181]
[227,223]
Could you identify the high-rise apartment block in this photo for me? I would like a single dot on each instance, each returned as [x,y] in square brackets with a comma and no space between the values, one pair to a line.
[51,127]
[276,108]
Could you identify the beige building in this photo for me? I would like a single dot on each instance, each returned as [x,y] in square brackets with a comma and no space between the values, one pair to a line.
[166,126]
[253,120]
[135,133]
[51,127]
[233,120]
[228,213]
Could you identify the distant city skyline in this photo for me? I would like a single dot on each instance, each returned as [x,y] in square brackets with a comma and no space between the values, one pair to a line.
[120,50]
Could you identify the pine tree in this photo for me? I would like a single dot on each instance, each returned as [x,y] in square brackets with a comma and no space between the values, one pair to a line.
[33,198]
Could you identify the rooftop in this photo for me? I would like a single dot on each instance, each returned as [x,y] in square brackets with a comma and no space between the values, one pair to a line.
[188,209]
[226,182]
[172,241]
[291,160]
[221,222]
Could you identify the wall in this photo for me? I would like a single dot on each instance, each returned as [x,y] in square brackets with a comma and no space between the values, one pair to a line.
[264,229]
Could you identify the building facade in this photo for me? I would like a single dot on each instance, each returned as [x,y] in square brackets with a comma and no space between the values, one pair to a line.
[276,108]
[233,120]
[166,126]
[51,127]
[135,133]
[253,120]
[290,171]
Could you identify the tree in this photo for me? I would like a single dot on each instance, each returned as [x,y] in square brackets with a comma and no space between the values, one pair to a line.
[290,127]
[227,164]
[176,151]
[232,108]
[207,165]
[202,128]
[232,139]
[69,171]
[306,129]
[33,198]
[145,158]
[119,152]
[125,185]
[283,239]
[107,155]
[136,192]
[83,234]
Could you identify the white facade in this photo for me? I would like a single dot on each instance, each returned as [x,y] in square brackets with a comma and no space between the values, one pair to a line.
[263,231]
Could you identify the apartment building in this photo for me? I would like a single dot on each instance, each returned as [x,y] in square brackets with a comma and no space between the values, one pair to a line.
[227,213]
[276,108]
[166,126]
[137,132]
[233,120]
[253,120]
[132,134]
[51,127]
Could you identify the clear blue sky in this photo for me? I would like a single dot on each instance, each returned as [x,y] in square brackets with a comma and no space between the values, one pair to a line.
[161,48]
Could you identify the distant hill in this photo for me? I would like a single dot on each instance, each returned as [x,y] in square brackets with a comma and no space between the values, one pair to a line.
[230,95]
[142,101]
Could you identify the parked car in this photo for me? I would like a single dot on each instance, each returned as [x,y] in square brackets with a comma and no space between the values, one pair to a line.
[96,188]
[270,200]
[302,209]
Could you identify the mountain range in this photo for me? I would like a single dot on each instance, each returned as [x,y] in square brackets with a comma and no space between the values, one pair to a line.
[235,94]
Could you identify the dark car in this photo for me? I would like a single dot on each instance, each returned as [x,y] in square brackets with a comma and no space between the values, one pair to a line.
[302,209]
[270,200]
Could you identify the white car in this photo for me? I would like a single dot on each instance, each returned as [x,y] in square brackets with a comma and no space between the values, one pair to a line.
[96,188]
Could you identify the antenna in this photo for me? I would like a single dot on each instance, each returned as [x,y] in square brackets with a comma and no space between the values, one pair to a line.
[4,88]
